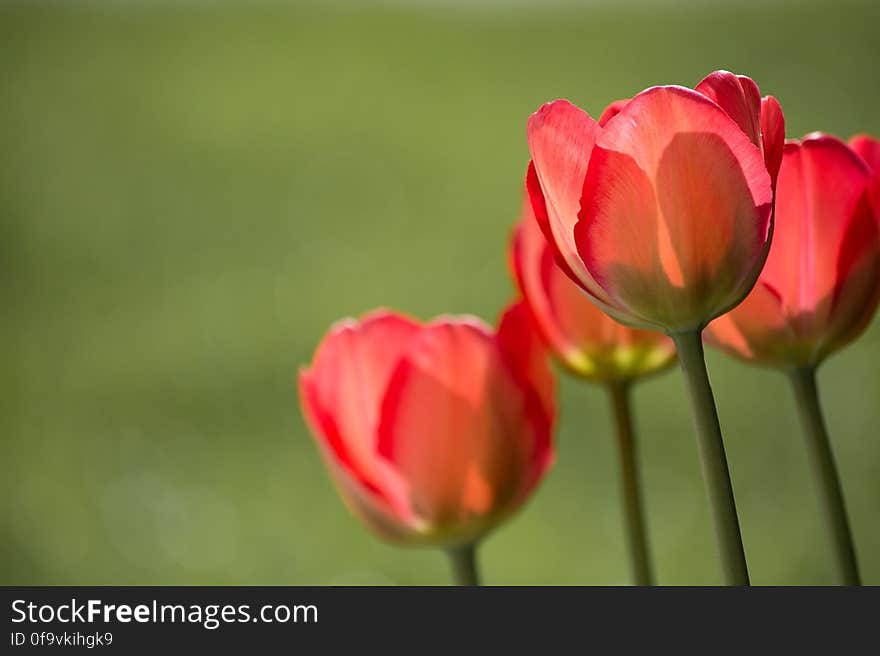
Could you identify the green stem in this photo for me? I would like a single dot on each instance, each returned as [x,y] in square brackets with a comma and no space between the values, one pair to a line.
[633,507]
[822,460]
[463,559]
[716,475]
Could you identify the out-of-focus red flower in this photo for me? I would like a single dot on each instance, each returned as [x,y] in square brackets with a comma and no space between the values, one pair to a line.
[821,283]
[586,340]
[433,432]
[661,211]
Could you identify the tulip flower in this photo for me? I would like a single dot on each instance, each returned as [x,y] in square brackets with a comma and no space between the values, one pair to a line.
[817,293]
[663,216]
[433,432]
[594,347]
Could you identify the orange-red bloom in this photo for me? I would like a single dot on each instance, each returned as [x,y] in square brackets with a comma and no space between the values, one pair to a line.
[821,284]
[586,340]
[433,432]
[661,211]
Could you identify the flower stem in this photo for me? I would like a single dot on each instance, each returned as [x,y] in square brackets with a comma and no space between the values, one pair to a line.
[716,475]
[822,460]
[463,559]
[640,560]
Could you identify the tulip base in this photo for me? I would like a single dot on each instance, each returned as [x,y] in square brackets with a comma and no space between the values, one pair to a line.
[633,506]
[716,474]
[803,383]
[463,560]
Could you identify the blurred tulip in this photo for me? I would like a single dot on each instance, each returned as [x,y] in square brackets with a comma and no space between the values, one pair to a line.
[587,341]
[661,211]
[593,346]
[434,433]
[821,283]
[817,292]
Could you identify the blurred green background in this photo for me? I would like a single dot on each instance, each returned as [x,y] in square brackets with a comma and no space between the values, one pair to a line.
[191,194]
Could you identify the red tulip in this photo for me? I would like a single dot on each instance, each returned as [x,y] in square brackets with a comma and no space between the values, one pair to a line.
[817,292]
[661,211]
[433,432]
[821,283]
[586,340]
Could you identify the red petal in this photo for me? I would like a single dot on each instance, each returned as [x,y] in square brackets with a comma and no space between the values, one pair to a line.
[612,110]
[539,214]
[561,138]
[857,291]
[386,513]
[761,119]
[676,210]
[525,352]
[327,432]
[772,135]
[455,424]
[868,149]
[342,392]
[520,343]
[757,329]
[737,95]
[618,221]
[820,183]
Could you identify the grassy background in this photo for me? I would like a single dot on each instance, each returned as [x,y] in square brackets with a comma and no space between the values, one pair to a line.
[188,197]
